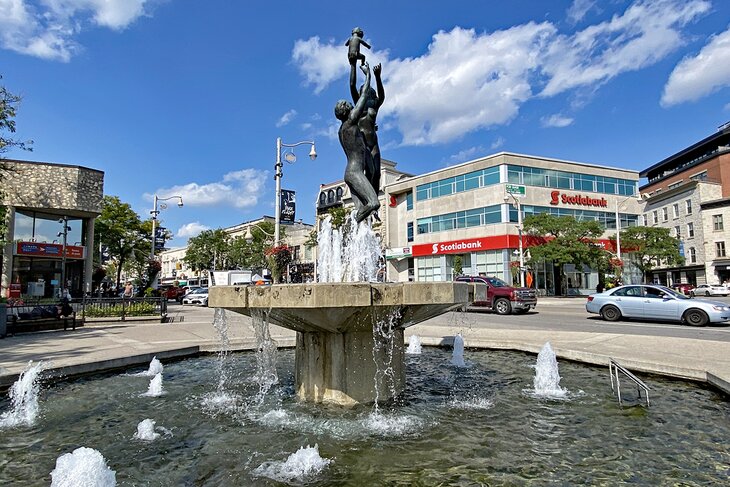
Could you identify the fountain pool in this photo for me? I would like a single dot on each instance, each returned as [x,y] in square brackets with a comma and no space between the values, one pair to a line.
[453,426]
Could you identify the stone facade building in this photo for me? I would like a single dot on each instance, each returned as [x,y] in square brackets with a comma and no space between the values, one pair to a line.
[42,198]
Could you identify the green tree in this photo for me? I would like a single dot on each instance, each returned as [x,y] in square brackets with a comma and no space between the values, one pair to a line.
[650,247]
[251,254]
[8,110]
[120,229]
[566,240]
[209,250]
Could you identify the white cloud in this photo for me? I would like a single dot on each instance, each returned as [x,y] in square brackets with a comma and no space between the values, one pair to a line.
[556,120]
[239,189]
[727,107]
[469,81]
[646,33]
[192,229]
[498,142]
[467,154]
[47,28]
[698,76]
[286,118]
[578,10]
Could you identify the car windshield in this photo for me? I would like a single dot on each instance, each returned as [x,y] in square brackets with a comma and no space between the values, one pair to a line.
[493,281]
[199,290]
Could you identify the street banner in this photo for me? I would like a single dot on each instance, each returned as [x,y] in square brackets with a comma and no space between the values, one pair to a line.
[288,206]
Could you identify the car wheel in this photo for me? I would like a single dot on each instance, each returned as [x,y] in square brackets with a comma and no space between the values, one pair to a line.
[502,307]
[692,293]
[610,313]
[696,317]
[707,293]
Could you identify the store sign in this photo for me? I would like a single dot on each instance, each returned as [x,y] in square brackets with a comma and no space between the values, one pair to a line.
[398,253]
[49,250]
[557,197]
[516,189]
[465,246]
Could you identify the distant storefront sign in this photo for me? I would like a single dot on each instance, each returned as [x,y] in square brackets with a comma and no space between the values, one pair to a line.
[397,253]
[288,206]
[556,197]
[516,189]
[49,250]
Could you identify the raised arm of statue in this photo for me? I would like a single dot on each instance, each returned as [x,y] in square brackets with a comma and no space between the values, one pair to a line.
[379,84]
[356,112]
[353,84]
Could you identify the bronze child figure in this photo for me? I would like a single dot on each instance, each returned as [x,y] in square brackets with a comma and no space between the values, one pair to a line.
[354,43]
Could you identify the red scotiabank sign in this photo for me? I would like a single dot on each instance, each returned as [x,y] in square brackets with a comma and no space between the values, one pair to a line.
[578,199]
[465,246]
[49,250]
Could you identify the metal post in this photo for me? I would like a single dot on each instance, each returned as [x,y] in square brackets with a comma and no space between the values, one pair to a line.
[154,221]
[519,230]
[277,204]
[618,232]
[63,256]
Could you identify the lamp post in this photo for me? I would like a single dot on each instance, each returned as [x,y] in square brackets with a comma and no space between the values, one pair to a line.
[63,233]
[156,212]
[277,177]
[519,232]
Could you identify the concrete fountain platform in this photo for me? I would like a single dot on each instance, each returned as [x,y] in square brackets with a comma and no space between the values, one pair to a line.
[347,333]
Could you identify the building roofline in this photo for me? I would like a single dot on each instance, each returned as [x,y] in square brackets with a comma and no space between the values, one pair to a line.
[58,164]
[723,130]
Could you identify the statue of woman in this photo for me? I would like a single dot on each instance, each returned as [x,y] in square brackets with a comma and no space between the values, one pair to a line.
[367,124]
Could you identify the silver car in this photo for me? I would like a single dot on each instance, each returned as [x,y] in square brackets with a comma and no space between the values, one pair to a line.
[656,303]
[197,296]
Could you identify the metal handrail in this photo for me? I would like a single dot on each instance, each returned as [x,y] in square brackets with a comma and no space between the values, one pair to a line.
[614,368]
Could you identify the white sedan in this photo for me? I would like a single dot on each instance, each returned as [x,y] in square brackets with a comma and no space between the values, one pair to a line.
[710,290]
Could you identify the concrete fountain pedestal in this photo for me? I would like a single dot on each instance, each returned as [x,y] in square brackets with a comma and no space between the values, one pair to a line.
[338,353]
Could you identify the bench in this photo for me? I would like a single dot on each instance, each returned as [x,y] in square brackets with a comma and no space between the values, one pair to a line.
[23,319]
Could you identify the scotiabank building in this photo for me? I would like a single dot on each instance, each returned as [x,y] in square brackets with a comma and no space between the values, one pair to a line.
[466,217]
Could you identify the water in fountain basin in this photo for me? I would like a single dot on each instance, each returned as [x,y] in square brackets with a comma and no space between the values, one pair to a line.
[457,357]
[24,398]
[414,345]
[547,378]
[154,368]
[384,341]
[266,347]
[222,399]
[85,467]
[155,387]
[146,430]
[301,465]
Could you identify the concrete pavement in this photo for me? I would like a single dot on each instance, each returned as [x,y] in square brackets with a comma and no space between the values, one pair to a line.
[119,345]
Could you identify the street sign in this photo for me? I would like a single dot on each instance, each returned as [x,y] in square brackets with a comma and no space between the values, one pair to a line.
[516,189]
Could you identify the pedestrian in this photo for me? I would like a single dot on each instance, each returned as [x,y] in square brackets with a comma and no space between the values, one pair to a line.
[128,290]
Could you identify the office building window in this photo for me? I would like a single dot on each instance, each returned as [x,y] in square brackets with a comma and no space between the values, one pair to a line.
[690,230]
[688,205]
[409,200]
[655,217]
[409,227]
[665,214]
[429,268]
[717,224]
[692,255]
[675,210]
[720,249]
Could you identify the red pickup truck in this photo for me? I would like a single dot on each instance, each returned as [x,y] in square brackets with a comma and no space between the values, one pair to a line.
[172,292]
[501,297]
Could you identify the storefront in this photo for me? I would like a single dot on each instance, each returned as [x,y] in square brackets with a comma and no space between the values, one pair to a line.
[466,218]
[51,211]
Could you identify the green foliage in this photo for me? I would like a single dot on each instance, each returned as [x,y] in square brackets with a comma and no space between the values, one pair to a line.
[339,215]
[121,309]
[651,247]
[128,239]
[568,241]
[209,250]
[458,265]
[251,255]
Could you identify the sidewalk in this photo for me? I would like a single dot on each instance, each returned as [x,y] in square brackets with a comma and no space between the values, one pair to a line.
[100,347]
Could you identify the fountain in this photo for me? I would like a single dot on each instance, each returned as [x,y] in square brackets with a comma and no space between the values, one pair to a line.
[84,466]
[23,398]
[457,357]
[414,345]
[547,378]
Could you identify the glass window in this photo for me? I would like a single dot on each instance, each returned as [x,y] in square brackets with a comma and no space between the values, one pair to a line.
[720,249]
[688,205]
[717,223]
[409,201]
[675,210]
[655,217]
[690,230]
[677,232]
[665,214]
[634,291]
[409,231]
[692,255]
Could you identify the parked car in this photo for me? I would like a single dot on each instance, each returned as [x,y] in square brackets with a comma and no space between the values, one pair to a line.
[682,287]
[709,290]
[501,297]
[172,292]
[654,302]
[197,296]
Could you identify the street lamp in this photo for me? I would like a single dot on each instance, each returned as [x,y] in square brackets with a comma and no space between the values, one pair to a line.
[249,235]
[618,221]
[519,230]
[63,233]
[291,158]
[156,212]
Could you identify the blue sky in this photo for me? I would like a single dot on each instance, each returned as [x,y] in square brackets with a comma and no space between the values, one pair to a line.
[186,97]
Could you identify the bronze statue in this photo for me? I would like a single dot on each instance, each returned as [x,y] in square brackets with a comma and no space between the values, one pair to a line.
[354,43]
[359,156]
[367,122]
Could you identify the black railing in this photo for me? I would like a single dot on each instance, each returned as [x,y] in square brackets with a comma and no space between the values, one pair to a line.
[124,308]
